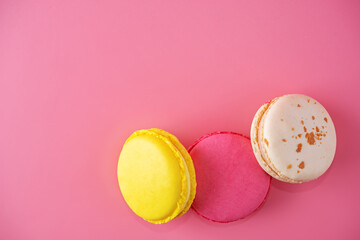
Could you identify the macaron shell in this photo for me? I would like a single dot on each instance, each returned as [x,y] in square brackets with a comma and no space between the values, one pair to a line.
[189,165]
[300,137]
[151,177]
[255,144]
[230,183]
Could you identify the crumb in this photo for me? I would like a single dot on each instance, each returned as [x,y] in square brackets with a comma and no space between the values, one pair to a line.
[302,165]
[299,135]
[310,138]
[313,118]
[281,119]
[325,119]
[293,129]
[302,122]
[298,105]
[289,166]
[284,140]
[308,100]
[299,146]
[305,129]
[317,129]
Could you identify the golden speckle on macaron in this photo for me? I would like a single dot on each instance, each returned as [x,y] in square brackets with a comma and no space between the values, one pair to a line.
[299,146]
[302,165]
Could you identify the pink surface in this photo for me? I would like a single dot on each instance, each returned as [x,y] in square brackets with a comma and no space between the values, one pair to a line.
[77,77]
[230,182]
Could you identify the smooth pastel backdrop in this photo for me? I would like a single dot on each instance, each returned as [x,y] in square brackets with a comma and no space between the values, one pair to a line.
[78,77]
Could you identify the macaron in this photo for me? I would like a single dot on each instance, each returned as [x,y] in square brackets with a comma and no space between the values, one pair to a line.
[156,175]
[293,138]
[230,183]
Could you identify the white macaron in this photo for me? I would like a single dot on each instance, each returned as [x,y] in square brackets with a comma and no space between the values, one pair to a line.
[293,138]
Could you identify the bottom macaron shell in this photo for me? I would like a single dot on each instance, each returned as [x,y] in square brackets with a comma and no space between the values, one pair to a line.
[230,183]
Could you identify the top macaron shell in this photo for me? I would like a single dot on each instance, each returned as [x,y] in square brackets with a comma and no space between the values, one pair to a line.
[297,136]
[231,185]
[156,178]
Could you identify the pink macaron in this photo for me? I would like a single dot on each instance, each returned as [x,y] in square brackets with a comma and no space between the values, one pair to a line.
[230,183]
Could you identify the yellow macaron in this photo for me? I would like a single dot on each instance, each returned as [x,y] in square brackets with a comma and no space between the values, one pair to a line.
[156,175]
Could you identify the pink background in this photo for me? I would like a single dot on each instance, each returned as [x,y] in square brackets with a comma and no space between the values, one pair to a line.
[78,77]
